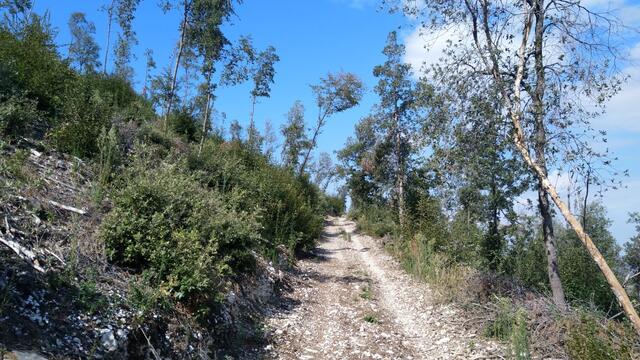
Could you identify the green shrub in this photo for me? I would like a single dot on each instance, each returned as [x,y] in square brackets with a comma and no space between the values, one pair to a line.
[182,123]
[289,206]
[587,338]
[333,205]
[510,325]
[19,116]
[519,339]
[375,220]
[185,238]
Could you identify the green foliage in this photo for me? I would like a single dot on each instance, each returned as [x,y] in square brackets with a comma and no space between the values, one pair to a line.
[587,339]
[14,165]
[183,124]
[366,292]
[632,251]
[526,260]
[145,299]
[502,326]
[510,325]
[185,238]
[333,205]
[41,94]
[89,298]
[582,280]
[108,154]
[375,220]
[18,115]
[371,318]
[289,207]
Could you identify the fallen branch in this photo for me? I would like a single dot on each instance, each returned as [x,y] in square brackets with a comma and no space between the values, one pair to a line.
[68,208]
[23,253]
[153,349]
[55,256]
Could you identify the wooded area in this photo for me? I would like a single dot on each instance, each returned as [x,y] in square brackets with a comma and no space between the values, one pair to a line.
[185,205]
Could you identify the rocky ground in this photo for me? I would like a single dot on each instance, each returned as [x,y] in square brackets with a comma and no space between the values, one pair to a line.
[351,300]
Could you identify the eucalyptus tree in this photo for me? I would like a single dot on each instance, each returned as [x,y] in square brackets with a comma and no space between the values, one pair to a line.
[478,164]
[149,66]
[206,37]
[295,137]
[324,171]
[199,28]
[16,15]
[110,10]
[263,72]
[545,58]
[83,49]
[125,14]
[269,140]
[363,163]
[334,94]
[397,112]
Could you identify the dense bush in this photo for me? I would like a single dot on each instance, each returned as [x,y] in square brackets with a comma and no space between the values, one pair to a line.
[289,206]
[375,220]
[41,95]
[588,338]
[185,238]
[333,205]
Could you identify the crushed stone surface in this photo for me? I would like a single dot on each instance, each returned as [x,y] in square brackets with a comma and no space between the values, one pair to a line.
[352,300]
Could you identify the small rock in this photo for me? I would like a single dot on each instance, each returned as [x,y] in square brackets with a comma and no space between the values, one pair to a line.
[108,340]
[23,355]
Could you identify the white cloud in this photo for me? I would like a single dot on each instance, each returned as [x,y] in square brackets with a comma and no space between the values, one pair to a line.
[425,47]
[622,111]
[359,4]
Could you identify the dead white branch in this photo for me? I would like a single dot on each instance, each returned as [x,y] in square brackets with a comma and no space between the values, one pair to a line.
[67,207]
[23,253]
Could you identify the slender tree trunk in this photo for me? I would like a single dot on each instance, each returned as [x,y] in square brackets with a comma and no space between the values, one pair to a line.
[492,245]
[540,144]
[253,108]
[205,119]
[146,81]
[586,201]
[183,31]
[399,171]
[252,124]
[316,132]
[110,21]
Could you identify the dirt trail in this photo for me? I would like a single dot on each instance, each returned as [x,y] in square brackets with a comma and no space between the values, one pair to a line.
[353,301]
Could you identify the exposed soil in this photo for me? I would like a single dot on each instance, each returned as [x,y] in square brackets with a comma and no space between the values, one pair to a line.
[351,300]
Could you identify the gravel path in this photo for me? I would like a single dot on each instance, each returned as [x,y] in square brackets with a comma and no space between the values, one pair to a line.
[353,301]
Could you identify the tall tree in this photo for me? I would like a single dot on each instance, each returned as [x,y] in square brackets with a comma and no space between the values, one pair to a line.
[324,171]
[125,14]
[83,50]
[110,10]
[184,27]
[398,99]
[149,66]
[199,27]
[364,163]
[263,73]
[543,57]
[335,93]
[270,140]
[295,138]
[16,15]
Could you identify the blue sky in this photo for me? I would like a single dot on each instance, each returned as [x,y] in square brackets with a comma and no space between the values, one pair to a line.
[319,36]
